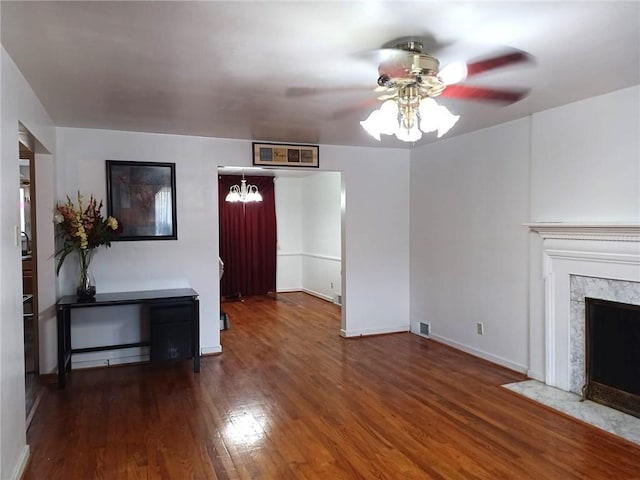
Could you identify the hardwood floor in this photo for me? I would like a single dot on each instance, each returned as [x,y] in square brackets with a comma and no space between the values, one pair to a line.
[290,399]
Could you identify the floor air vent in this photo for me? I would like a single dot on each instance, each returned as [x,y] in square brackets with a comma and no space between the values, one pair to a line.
[425,329]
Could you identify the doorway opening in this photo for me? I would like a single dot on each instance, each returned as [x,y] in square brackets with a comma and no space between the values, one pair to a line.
[309,217]
[29,249]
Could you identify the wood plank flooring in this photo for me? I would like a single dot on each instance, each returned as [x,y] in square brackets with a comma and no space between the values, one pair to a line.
[290,399]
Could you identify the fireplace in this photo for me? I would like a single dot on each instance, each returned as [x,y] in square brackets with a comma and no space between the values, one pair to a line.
[612,341]
[578,261]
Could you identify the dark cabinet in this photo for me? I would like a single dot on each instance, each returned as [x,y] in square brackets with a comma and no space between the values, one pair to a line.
[170,331]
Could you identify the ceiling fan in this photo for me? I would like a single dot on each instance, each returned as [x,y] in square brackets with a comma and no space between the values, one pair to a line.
[408,65]
[409,79]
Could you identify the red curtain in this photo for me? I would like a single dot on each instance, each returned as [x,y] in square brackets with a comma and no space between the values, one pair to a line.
[247,239]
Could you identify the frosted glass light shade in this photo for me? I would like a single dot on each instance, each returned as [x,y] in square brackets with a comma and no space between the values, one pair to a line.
[412,134]
[428,117]
[372,124]
[428,111]
[233,195]
[388,117]
[446,120]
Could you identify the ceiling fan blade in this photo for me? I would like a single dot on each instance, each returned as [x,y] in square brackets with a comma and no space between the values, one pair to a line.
[483,93]
[506,59]
[310,91]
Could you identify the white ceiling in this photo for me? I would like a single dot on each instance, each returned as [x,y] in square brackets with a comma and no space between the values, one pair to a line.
[222,69]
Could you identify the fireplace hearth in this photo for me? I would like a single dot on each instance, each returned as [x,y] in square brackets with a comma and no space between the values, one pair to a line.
[612,341]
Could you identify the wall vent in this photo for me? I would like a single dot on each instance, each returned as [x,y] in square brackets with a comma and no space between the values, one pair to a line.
[337,299]
[425,328]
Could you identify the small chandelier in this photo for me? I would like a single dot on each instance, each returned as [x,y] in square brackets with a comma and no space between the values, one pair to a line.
[408,115]
[243,193]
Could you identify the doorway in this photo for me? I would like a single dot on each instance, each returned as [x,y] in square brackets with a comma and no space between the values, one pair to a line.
[309,216]
[29,247]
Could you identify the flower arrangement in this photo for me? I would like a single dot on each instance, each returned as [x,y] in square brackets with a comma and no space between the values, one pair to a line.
[83,230]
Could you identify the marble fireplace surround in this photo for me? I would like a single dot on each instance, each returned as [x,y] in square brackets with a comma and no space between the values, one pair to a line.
[592,260]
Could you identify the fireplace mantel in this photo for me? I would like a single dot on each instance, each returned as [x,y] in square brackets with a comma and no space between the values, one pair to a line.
[609,251]
[620,232]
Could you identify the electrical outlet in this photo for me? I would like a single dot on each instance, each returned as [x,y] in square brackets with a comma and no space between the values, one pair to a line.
[331,285]
[480,328]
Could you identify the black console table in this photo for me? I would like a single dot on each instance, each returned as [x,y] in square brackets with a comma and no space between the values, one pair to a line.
[174,329]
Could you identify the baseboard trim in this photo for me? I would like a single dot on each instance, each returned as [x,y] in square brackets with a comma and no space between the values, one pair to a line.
[211,350]
[108,362]
[374,331]
[535,375]
[318,294]
[21,465]
[322,296]
[480,353]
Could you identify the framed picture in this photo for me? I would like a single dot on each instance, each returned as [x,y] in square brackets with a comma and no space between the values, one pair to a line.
[142,196]
[280,155]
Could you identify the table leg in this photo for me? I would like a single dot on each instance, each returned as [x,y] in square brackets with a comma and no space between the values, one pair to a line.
[195,316]
[67,338]
[60,314]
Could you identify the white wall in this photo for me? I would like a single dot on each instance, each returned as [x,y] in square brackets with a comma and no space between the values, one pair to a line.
[309,217]
[469,251]
[585,164]
[18,104]
[47,287]
[192,259]
[189,261]
[471,258]
[321,234]
[288,198]
[585,167]
[375,248]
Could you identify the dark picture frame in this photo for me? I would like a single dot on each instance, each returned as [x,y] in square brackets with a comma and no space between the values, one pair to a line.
[282,155]
[142,197]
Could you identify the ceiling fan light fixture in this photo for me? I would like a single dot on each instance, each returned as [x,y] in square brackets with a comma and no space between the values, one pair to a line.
[388,117]
[408,120]
[428,111]
[412,134]
[446,120]
[372,124]
[409,80]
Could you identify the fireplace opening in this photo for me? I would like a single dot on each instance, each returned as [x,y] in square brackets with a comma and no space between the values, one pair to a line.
[613,354]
